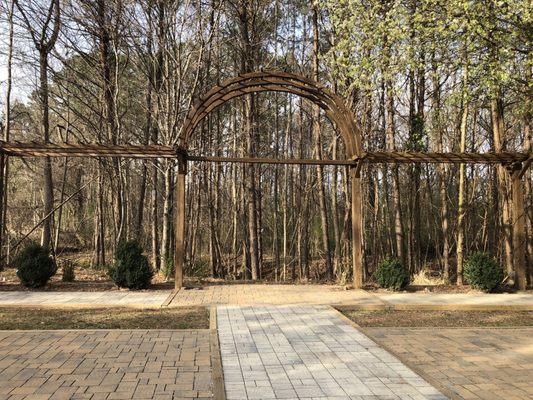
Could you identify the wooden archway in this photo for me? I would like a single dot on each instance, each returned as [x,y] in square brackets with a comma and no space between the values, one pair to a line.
[337,112]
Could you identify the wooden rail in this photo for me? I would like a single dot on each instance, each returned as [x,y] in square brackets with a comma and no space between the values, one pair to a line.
[36,149]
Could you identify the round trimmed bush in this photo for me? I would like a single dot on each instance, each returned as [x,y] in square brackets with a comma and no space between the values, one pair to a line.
[131,269]
[34,266]
[391,274]
[482,272]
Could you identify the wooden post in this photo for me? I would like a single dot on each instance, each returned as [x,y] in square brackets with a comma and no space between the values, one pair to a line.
[357,227]
[519,227]
[2,179]
[179,219]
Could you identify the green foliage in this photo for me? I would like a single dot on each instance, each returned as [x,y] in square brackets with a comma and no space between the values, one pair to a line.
[391,274]
[34,266]
[69,274]
[482,272]
[168,268]
[131,269]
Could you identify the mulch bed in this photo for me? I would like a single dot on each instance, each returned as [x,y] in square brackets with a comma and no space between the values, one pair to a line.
[441,319]
[23,318]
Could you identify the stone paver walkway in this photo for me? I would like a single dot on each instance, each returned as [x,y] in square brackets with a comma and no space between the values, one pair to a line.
[475,364]
[249,294]
[119,364]
[260,294]
[85,299]
[308,352]
[254,294]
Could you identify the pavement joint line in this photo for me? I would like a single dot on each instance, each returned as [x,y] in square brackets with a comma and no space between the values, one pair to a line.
[217,372]
[386,303]
[169,299]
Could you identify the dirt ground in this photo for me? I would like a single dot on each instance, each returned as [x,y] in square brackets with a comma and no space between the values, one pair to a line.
[441,319]
[22,318]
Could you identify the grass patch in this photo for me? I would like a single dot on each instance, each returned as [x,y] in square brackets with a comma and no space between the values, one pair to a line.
[103,318]
[440,319]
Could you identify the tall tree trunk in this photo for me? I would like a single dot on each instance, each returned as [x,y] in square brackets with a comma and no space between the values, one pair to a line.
[461,194]
[441,172]
[397,210]
[496,108]
[4,161]
[318,152]
[48,189]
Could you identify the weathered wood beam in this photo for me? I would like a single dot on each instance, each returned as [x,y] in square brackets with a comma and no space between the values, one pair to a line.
[519,227]
[253,160]
[179,223]
[442,158]
[38,149]
[357,229]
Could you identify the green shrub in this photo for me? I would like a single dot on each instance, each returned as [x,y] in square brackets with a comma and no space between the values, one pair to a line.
[69,274]
[482,272]
[167,269]
[34,266]
[131,269]
[391,274]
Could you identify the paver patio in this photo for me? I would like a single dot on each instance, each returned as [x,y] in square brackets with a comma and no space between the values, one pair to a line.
[100,364]
[258,294]
[494,364]
[250,294]
[308,352]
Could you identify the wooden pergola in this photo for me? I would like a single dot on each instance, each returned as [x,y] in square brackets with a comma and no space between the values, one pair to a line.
[342,118]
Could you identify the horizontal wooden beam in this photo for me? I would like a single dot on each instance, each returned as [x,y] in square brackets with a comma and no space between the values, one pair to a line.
[36,149]
[254,160]
[442,158]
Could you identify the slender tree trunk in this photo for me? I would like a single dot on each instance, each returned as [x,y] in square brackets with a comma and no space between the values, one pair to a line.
[496,107]
[398,221]
[441,173]
[48,189]
[318,152]
[461,195]
[4,161]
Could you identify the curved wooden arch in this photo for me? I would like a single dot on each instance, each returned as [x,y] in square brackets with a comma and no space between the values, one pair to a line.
[332,104]
[334,107]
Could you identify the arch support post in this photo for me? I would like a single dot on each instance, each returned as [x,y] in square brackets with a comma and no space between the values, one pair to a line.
[519,227]
[357,226]
[179,218]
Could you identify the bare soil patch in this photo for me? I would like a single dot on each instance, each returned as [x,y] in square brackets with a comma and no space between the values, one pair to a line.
[22,318]
[440,319]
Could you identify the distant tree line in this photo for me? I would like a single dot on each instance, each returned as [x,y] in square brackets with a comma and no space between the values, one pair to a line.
[421,75]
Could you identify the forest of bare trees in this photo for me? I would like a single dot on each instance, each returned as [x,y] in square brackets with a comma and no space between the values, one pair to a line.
[420,75]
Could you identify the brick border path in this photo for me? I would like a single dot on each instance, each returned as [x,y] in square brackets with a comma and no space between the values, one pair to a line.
[105,364]
[308,352]
[471,363]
